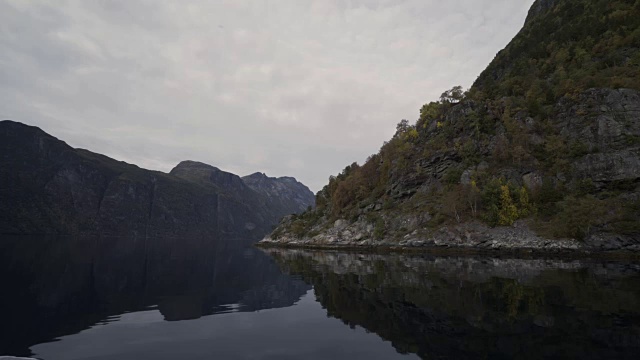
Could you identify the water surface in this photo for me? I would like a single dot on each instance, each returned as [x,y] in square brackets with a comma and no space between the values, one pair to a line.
[123,298]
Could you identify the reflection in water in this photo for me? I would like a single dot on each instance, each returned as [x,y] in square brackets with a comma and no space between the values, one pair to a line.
[479,307]
[124,298]
[57,286]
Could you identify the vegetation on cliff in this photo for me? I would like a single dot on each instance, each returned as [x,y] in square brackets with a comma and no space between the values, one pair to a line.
[549,131]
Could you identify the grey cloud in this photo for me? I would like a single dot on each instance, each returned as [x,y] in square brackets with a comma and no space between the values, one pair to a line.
[299,88]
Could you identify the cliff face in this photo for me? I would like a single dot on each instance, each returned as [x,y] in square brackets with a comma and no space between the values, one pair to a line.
[49,187]
[285,191]
[542,152]
[267,199]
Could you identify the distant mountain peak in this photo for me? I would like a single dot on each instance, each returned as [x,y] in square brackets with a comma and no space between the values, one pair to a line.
[194,165]
[284,189]
[257,175]
[18,126]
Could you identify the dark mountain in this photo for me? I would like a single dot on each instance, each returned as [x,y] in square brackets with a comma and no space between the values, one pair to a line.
[544,146]
[285,191]
[49,187]
[269,198]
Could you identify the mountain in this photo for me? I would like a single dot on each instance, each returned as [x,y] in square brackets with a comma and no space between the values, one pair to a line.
[543,151]
[285,191]
[270,198]
[48,187]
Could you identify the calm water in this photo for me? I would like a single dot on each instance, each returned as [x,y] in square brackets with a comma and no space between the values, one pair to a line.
[174,298]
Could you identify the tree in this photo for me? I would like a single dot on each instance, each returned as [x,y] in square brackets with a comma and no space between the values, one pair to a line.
[402,127]
[452,96]
[508,213]
[473,195]
[429,112]
[452,201]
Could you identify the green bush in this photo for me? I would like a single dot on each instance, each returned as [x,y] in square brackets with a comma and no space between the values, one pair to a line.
[504,203]
[452,176]
[577,217]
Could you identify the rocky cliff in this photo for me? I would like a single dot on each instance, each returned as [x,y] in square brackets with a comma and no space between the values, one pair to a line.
[285,191]
[542,152]
[270,199]
[49,187]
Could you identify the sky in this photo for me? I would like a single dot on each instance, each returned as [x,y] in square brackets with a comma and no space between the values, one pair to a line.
[285,87]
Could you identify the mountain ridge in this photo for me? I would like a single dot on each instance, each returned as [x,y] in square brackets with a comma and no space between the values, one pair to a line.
[48,187]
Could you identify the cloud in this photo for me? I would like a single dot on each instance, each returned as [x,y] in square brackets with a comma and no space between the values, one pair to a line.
[298,88]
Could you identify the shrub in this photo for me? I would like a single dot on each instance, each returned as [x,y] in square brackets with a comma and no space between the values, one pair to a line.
[504,203]
[577,217]
[378,230]
[508,212]
[452,176]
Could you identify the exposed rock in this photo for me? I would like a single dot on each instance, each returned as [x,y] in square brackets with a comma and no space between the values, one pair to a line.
[532,180]
[601,119]
[465,178]
[466,235]
[611,166]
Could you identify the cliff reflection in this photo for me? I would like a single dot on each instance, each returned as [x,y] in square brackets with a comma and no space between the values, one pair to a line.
[451,307]
[57,286]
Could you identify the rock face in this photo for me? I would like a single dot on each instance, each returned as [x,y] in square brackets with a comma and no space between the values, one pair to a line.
[285,191]
[269,198]
[607,124]
[467,235]
[49,187]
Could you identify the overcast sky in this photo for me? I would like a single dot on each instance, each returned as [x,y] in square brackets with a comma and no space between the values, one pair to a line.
[296,88]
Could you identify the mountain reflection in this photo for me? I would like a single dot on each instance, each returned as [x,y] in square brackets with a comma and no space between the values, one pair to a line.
[448,307]
[54,286]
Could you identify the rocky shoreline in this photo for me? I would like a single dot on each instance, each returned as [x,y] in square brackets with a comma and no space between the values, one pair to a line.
[472,237]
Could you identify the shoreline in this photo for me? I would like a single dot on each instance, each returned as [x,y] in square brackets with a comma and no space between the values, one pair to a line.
[563,253]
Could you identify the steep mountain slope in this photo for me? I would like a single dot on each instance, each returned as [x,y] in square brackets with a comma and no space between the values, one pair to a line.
[283,192]
[49,187]
[547,139]
[269,198]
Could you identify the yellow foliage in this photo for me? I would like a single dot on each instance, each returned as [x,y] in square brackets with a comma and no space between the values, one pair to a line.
[508,213]
[525,205]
